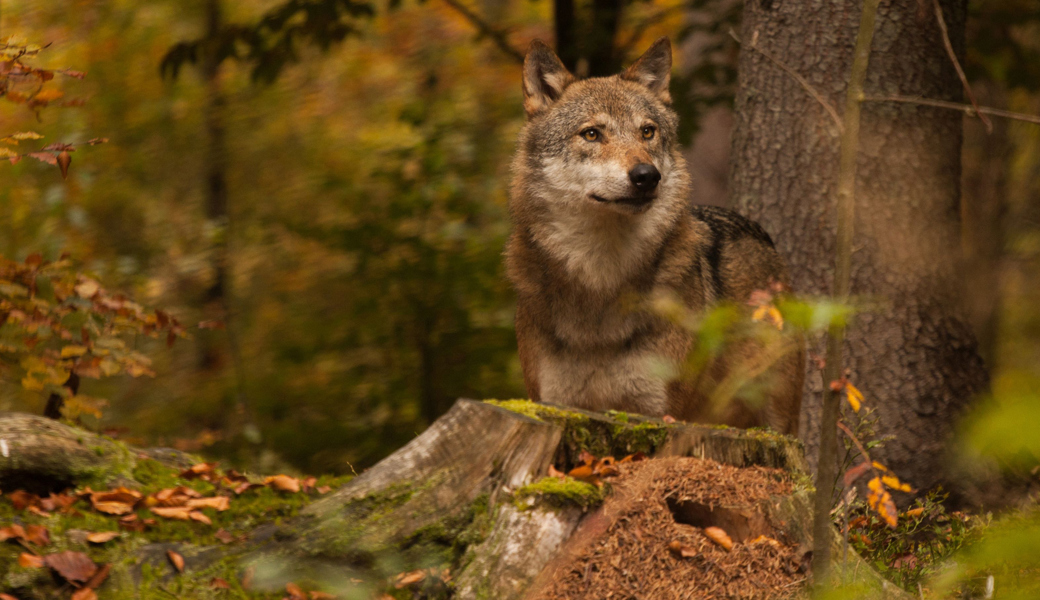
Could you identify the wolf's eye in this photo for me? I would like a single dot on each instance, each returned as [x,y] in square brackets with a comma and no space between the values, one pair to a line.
[591,134]
[648,132]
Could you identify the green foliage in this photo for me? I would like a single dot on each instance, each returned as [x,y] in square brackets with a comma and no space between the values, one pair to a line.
[917,549]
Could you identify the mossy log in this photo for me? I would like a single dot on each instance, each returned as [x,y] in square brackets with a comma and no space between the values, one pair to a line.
[450,498]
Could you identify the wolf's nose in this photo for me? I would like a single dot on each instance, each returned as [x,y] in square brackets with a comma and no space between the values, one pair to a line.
[644,177]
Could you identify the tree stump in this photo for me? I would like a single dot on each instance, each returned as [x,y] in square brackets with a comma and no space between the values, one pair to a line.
[465,494]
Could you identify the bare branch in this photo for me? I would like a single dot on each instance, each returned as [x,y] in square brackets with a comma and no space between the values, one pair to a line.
[957,65]
[797,77]
[485,28]
[971,111]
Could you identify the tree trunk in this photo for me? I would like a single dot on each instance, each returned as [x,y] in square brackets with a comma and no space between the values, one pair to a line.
[911,350]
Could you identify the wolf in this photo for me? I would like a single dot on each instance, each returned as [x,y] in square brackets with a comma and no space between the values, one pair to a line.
[603,229]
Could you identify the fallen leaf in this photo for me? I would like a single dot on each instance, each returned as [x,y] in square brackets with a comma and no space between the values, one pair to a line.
[21,499]
[102,536]
[30,561]
[582,472]
[283,483]
[719,536]
[220,503]
[197,470]
[316,595]
[7,597]
[176,560]
[668,419]
[765,539]
[219,584]
[37,534]
[99,577]
[15,531]
[586,457]
[84,594]
[75,567]
[87,288]
[295,592]
[554,472]
[119,501]
[224,536]
[179,513]
[200,517]
[324,489]
[406,579]
[681,550]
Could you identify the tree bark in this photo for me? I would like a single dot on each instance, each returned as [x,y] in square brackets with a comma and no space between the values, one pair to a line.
[911,351]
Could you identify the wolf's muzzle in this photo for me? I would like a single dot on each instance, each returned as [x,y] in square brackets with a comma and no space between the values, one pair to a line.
[644,177]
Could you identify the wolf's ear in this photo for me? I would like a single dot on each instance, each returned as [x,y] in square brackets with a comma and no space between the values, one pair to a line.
[545,78]
[654,70]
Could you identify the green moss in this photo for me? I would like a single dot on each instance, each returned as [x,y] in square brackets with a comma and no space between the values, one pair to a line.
[538,411]
[618,415]
[560,492]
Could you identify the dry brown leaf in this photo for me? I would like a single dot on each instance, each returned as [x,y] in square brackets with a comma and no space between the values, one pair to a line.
[586,457]
[583,472]
[119,501]
[719,536]
[21,499]
[668,419]
[14,530]
[37,534]
[179,513]
[406,579]
[38,511]
[294,591]
[99,577]
[219,584]
[7,597]
[681,550]
[200,517]
[197,471]
[323,489]
[30,561]
[283,483]
[554,472]
[75,567]
[84,594]
[102,536]
[316,595]
[176,560]
[224,536]
[220,503]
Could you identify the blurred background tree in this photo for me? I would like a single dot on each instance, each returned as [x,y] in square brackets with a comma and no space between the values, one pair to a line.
[324,183]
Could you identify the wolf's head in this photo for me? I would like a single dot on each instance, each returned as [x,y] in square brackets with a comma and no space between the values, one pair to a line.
[605,144]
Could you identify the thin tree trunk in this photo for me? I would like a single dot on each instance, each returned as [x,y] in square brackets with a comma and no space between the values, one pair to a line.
[912,353]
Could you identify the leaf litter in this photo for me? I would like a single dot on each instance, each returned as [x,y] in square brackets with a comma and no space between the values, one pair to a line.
[641,550]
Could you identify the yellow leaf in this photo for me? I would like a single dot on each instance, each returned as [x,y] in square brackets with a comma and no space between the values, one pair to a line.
[48,95]
[6,153]
[73,351]
[893,482]
[875,485]
[26,135]
[854,396]
[760,313]
[879,466]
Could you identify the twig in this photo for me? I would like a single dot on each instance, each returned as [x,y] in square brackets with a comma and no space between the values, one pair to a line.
[797,77]
[845,207]
[845,429]
[971,111]
[486,29]
[957,65]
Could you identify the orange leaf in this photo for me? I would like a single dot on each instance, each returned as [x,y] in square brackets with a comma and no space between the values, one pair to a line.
[224,536]
[220,503]
[406,579]
[914,512]
[84,594]
[102,537]
[668,419]
[719,536]
[176,560]
[295,592]
[178,513]
[553,472]
[583,472]
[219,584]
[200,517]
[283,483]
[681,550]
[37,534]
[30,561]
